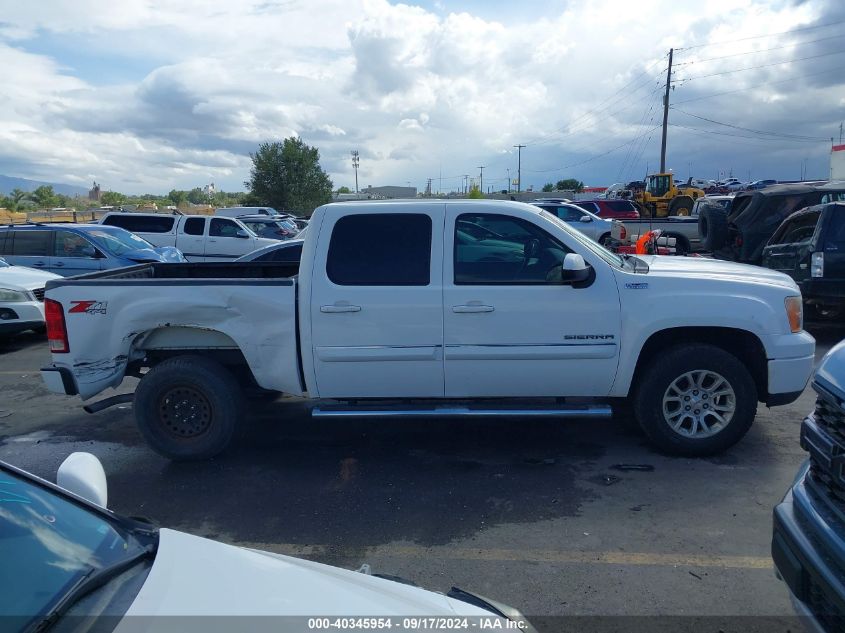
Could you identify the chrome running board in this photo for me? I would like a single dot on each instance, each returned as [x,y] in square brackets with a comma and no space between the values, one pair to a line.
[571,411]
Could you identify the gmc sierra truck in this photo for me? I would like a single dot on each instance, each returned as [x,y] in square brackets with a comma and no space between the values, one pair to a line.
[436,308]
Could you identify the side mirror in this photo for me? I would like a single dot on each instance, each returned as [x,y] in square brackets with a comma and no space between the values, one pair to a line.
[242,234]
[585,218]
[574,269]
[89,251]
[83,475]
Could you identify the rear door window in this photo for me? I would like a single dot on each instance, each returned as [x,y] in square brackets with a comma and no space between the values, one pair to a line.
[32,243]
[141,223]
[384,249]
[800,229]
[194,226]
[835,232]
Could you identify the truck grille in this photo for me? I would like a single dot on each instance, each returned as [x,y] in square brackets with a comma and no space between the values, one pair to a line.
[39,293]
[830,418]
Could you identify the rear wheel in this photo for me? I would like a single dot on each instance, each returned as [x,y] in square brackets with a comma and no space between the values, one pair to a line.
[695,400]
[188,407]
[817,312]
[713,228]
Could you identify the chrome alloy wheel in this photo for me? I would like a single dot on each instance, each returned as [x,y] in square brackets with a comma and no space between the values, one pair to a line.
[699,404]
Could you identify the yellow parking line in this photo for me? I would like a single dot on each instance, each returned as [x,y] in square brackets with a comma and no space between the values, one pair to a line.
[520,555]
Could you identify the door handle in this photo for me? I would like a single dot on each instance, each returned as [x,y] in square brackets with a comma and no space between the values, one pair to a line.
[476,307]
[39,264]
[59,264]
[342,308]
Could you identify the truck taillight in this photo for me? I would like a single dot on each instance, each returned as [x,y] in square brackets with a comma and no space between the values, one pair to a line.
[56,328]
[817,265]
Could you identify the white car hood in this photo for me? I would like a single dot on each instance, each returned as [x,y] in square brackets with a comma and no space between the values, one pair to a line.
[194,576]
[23,278]
[705,267]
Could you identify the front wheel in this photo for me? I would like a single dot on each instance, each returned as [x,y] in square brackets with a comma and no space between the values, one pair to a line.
[188,407]
[695,400]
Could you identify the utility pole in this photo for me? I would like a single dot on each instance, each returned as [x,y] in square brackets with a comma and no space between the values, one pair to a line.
[509,178]
[355,162]
[481,179]
[518,168]
[840,133]
[666,114]
[466,183]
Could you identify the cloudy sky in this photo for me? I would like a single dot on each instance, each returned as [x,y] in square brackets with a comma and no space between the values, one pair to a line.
[148,95]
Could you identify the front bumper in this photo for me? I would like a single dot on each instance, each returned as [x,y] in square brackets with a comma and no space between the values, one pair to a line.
[18,316]
[807,549]
[820,290]
[790,364]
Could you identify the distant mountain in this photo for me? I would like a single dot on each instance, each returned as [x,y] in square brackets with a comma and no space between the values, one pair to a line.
[7,183]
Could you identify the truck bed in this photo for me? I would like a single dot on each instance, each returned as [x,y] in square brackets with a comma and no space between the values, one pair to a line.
[210,271]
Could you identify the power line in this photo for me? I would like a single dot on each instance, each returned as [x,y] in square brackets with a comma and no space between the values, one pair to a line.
[763,50]
[755,138]
[755,37]
[838,69]
[796,137]
[737,70]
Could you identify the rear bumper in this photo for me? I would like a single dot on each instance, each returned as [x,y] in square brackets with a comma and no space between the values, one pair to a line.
[59,380]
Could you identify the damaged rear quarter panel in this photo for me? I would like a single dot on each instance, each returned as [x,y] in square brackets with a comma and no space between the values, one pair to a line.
[258,319]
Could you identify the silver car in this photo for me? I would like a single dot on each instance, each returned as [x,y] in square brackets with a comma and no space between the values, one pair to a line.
[591,225]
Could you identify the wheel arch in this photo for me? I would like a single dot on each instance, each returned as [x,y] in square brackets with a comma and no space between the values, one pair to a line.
[745,345]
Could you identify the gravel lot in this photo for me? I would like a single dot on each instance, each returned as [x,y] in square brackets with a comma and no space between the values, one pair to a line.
[529,512]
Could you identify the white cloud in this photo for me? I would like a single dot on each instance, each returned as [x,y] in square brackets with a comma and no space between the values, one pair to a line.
[414,91]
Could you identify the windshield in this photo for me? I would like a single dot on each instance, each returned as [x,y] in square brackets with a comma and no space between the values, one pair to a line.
[595,247]
[47,545]
[118,241]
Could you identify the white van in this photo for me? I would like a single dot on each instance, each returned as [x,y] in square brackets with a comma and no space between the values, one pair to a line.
[236,212]
[201,238]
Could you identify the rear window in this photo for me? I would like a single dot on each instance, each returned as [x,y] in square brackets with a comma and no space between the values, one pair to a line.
[194,226]
[621,205]
[32,243]
[835,232]
[141,223]
[384,249]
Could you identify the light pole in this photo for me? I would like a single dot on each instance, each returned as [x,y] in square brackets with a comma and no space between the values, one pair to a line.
[355,162]
[519,168]
[481,179]
[509,178]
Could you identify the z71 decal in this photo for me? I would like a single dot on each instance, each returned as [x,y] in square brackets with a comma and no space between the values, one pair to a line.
[88,307]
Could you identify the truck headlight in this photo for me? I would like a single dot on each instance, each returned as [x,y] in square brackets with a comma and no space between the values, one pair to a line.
[13,296]
[817,265]
[794,313]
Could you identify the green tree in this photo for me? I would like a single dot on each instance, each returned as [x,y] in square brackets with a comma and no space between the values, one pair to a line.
[548,187]
[475,193]
[196,196]
[288,176]
[17,199]
[112,199]
[177,197]
[344,189]
[44,197]
[570,184]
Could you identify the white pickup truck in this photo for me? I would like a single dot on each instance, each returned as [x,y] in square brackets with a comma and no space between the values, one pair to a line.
[436,308]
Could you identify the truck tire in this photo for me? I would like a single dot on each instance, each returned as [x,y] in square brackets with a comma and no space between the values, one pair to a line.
[681,205]
[695,400]
[188,407]
[713,228]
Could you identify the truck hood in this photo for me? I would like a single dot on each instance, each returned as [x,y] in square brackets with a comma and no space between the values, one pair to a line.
[831,371]
[195,576]
[23,278]
[707,268]
[166,254]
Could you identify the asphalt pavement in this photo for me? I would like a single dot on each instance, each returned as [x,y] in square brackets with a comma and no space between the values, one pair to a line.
[555,517]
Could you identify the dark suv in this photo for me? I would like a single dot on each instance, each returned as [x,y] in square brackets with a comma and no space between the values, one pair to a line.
[809,246]
[740,233]
[610,209]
